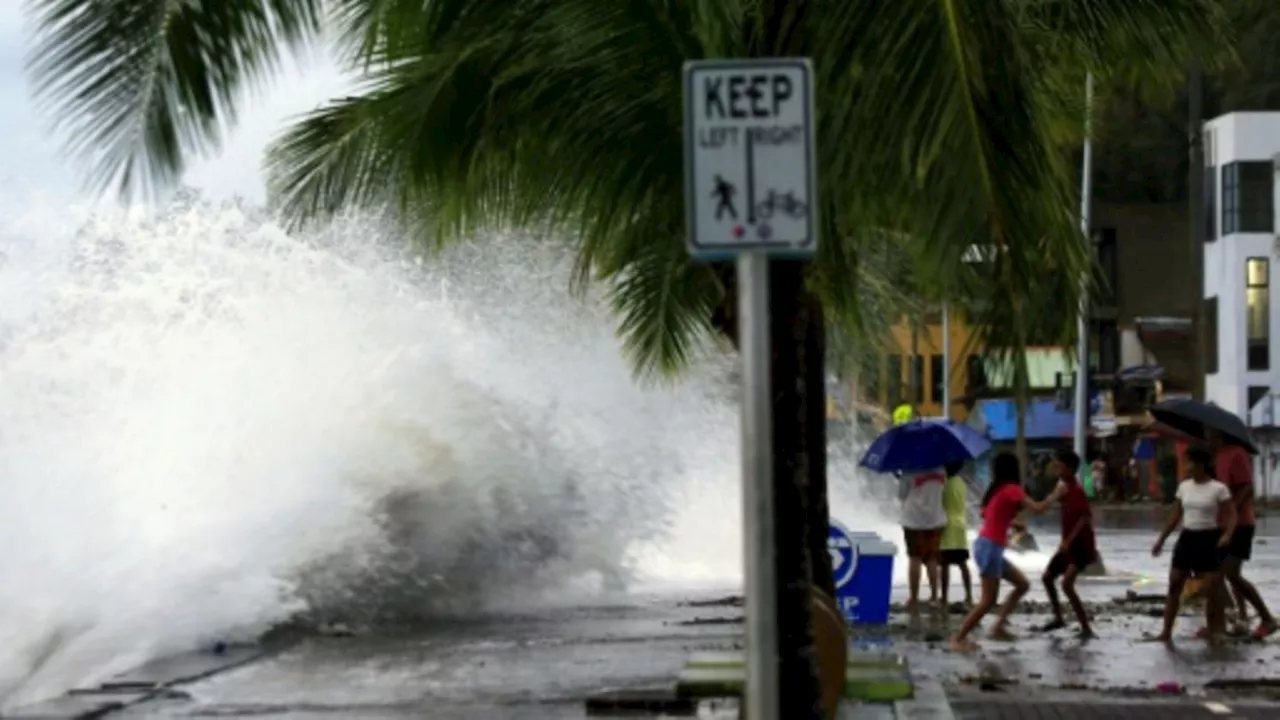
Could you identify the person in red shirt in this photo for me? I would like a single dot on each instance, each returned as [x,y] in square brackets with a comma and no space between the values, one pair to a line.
[1235,470]
[1078,549]
[1001,504]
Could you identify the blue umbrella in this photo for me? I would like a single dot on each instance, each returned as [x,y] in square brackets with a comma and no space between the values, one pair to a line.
[924,444]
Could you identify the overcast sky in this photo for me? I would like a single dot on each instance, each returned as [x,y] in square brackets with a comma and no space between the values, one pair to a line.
[32,158]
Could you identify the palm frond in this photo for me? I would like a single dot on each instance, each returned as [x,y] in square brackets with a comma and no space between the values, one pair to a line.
[138,85]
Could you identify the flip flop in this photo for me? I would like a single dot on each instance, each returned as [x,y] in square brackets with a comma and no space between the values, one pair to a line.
[1265,631]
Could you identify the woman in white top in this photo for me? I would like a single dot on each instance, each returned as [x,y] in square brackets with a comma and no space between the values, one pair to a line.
[923,518]
[1208,518]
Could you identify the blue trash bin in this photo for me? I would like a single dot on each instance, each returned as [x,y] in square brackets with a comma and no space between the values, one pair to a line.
[862,563]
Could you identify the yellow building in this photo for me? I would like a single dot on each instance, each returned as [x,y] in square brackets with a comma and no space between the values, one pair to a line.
[888,383]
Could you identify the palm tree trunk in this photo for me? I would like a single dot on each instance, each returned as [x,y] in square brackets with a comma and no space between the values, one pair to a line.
[799,455]
[798,377]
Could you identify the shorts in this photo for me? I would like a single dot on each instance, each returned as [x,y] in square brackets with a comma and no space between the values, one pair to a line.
[954,556]
[989,557]
[1197,552]
[1241,546]
[922,544]
[1079,555]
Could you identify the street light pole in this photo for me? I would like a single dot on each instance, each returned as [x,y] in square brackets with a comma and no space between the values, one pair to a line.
[1082,320]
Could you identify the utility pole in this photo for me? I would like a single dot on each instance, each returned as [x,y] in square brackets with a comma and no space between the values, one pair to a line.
[1082,322]
[1197,221]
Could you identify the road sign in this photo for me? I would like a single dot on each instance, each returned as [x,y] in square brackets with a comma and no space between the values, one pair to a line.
[750,176]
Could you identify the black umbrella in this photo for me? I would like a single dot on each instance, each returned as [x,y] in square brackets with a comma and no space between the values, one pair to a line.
[1194,417]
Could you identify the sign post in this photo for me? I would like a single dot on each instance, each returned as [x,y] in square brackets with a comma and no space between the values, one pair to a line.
[751,194]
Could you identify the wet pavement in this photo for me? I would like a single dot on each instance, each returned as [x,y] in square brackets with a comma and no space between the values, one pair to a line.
[544,665]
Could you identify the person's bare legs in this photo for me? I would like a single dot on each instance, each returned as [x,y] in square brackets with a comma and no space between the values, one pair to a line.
[1177,581]
[1000,631]
[913,583]
[931,570]
[967,578]
[960,642]
[1073,598]
[1242,606]
[1050,580]
[1242,588]
[945,572]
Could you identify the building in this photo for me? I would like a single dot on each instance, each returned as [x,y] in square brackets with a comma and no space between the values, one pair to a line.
[1241,152]
[888,381]
[1242,373]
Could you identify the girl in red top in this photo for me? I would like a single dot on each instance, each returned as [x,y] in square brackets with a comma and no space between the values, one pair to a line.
[1001,504]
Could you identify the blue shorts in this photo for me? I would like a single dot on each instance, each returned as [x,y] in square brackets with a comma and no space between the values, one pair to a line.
[989,557]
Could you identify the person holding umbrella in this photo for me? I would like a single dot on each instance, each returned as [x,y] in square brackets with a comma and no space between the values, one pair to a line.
[1235,470]
[1228,440]
[918,451]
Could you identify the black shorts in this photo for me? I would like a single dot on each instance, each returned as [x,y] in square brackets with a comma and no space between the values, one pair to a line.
[957,556]
[1079,555]
[1241,546]
[1197,552]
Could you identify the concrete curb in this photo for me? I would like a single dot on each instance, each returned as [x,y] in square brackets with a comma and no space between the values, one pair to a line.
[154,680]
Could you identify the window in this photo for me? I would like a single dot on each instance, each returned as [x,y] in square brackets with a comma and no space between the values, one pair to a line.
[937,375]
[1211,335]
[977,369]
[1257,301]
[872,383]
[1104,245]
[917,378]
[1211,204]
[893,383]
[1248,205]
[1256,393]
[1108,348]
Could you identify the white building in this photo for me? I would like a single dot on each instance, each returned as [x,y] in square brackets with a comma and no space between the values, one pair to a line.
[1242,159]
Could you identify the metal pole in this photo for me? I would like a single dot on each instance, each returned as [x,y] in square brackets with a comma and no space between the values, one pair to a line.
[1199,223]
[1082,322]
[946,359]
[757,495]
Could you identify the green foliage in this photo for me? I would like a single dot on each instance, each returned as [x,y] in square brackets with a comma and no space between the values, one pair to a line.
[940,125]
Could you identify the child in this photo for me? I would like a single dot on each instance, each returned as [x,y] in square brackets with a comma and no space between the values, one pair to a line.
[1001,504]
[955,541]
[1202,544]
[1078,549]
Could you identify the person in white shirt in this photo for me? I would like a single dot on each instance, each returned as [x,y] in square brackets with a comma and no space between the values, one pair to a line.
[1201,547]
[923,519]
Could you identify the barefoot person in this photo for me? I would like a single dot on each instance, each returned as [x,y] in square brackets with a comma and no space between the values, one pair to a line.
[922,521]
[1001,504]
[1235,470]
[1078,549]
[955,540]
[1202,543]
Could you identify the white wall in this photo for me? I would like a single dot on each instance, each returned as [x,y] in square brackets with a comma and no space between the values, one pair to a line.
[1232,138]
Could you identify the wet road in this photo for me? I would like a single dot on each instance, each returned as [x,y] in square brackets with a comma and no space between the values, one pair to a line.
[544,665]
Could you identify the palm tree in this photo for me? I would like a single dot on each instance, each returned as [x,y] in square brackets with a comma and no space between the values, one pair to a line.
[937,125]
